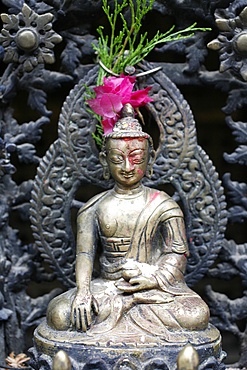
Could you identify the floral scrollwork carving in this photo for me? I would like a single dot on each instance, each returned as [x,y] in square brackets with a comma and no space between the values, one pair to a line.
[28,38]
[50,211]
[201,194]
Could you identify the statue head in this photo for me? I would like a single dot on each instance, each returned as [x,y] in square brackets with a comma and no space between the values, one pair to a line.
[127,150]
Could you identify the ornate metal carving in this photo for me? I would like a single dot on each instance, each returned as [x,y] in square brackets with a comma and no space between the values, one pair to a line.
[19,259]
[28,38]
[154,359]
[231,42]
[75,22]
[204,207]
[53,193]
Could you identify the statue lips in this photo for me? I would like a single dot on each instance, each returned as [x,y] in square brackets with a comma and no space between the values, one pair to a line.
[128,175]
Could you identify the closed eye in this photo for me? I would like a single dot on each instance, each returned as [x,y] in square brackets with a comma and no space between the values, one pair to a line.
[137,159]
[116,159]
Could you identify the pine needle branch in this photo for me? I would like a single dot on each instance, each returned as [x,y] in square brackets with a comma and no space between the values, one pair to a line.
[119,50]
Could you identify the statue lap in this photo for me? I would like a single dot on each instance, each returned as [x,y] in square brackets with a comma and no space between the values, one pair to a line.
[137,338]
[138,328]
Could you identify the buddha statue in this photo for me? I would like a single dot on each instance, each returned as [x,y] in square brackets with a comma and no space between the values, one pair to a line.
[137,235]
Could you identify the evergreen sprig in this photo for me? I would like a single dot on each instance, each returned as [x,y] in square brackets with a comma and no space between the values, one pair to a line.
[128,47]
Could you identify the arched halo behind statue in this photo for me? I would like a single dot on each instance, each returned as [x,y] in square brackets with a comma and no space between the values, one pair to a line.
[140,307]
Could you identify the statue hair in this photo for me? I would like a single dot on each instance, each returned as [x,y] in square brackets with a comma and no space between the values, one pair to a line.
[132,135]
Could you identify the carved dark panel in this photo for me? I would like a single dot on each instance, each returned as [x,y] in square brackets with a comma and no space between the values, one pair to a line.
[61,58]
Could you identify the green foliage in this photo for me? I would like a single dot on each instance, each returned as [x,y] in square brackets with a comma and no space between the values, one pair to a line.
[98,135]
[128,47]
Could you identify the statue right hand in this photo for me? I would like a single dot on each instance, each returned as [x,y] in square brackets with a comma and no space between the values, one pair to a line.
[83,307]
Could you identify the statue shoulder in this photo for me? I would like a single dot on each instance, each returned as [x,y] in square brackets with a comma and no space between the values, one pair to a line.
[161,195]
[92,202]
[168,204]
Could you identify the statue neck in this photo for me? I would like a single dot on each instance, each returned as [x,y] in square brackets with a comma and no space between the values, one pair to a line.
[132,191]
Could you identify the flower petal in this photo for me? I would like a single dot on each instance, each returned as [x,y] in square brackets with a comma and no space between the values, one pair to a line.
[95,105]
[108,124]
[125,88]
[111,105]
[112,82]
[101,90]
[107,105]
[111,97]
[140,98]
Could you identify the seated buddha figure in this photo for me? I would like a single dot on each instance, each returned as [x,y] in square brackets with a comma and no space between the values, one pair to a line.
[139,235]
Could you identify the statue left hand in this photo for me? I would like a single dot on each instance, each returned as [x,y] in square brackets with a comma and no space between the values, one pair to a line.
[137,283]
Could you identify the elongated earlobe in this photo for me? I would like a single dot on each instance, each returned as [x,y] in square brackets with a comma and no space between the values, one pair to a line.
[149,171]
[106,173]
[104,164]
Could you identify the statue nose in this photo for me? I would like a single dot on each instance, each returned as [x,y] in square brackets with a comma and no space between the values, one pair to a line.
[128,166]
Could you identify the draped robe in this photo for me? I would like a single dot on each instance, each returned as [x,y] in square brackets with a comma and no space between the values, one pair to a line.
[158,246]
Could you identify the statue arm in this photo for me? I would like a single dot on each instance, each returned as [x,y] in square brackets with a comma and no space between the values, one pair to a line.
[84,303]
[85,249]
[170,266]
[172,262]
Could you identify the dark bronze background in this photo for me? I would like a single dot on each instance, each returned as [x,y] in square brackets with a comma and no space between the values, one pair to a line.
[38,75]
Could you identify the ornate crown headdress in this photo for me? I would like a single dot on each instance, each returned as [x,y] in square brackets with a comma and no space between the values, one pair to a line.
[127,126]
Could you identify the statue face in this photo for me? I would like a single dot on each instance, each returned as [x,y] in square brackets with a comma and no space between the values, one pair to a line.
[127,159]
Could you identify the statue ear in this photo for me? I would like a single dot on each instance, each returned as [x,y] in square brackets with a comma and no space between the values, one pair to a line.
[104,164]
[149,171]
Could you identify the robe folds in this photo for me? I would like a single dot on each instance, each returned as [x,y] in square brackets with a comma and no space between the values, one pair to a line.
[159,247]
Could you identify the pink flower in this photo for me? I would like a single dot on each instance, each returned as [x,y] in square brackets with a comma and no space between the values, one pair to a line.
[113,95]
[140,97]
[108,124]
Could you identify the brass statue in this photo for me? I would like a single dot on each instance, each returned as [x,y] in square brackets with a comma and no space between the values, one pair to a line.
[139,235]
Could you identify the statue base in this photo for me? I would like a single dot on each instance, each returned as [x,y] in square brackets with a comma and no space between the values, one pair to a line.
[124,351]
